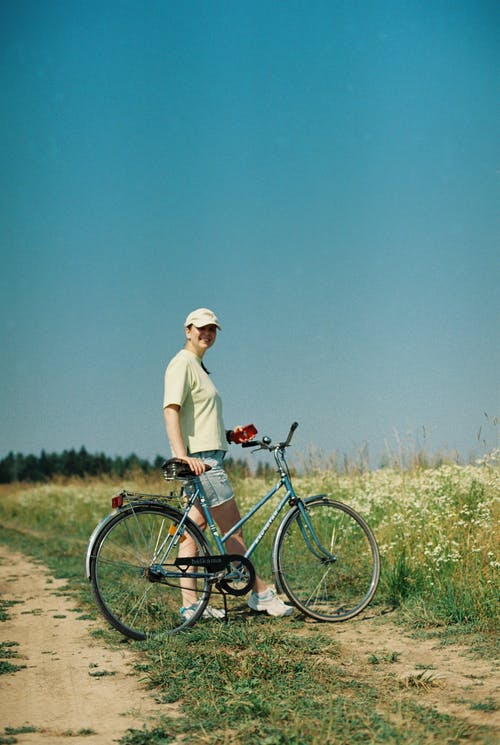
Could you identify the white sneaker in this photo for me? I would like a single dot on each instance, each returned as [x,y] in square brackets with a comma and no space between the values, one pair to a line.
[269,602]
[209,612]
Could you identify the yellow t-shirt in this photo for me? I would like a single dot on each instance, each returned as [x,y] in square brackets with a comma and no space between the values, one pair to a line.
[188,385]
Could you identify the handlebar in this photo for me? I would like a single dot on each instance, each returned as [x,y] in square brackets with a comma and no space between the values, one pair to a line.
[290,434]
[267,444]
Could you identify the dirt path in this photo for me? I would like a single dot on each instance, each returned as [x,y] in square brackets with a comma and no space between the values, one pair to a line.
[447,678]
[72,683]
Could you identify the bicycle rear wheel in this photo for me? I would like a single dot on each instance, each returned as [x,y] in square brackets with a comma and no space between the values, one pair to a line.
[326,560]
[127,579]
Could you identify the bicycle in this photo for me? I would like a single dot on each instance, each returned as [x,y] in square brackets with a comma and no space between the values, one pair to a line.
[324,556]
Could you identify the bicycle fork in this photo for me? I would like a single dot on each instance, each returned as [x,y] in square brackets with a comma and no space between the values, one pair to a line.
[310,537]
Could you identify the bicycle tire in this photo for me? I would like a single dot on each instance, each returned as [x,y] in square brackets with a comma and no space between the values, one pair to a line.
[333,584]
[134,600]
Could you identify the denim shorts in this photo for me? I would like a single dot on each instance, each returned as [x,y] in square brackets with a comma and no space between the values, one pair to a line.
[215,482]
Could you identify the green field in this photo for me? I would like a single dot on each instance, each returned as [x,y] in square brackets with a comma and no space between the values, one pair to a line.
[271,681]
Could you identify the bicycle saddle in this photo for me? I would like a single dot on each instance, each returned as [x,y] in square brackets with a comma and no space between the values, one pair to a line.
[175,468]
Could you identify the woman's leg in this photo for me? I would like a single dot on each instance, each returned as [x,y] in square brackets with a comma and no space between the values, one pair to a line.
[226,515]
[187,547]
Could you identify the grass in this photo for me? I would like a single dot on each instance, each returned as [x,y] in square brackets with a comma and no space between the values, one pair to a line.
[266,681]
[392,657]
[84,732]
[8,652]
[424,680]
[8,736]
[4,606]
[159,735]
[252,682]
[488,705]
[8,667]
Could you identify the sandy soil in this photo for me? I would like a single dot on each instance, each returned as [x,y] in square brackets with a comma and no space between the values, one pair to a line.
[72,682]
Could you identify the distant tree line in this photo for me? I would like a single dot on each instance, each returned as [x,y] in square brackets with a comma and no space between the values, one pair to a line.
[19,467]
[80,463]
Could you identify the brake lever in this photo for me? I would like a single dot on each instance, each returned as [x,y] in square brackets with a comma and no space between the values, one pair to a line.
[262,444]
[256,449]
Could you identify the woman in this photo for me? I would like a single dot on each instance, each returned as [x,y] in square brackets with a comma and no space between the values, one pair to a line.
[193,417]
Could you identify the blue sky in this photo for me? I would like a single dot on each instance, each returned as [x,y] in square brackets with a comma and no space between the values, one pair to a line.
[322,174]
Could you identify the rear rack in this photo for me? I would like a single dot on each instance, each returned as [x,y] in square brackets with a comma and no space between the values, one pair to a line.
[129,497]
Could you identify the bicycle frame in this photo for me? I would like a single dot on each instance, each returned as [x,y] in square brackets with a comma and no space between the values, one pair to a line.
[220,541]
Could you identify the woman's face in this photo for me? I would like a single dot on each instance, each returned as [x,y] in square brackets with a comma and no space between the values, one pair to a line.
[200,339]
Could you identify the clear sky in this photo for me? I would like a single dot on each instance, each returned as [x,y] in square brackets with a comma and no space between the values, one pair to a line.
[323,175]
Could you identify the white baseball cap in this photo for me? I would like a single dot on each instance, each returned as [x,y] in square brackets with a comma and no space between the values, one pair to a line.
[202,317]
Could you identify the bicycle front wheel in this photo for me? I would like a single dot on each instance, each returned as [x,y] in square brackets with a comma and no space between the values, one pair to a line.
[326,560]
[134,579]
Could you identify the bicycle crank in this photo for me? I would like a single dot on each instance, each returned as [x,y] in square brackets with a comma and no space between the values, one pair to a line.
[240,577]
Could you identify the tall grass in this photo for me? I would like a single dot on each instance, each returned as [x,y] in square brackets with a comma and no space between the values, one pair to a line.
[437,533]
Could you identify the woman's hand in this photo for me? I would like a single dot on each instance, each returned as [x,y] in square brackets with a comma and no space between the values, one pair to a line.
[243,434]
[195,464]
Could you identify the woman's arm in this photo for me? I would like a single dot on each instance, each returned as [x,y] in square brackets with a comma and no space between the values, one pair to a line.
[173,425]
